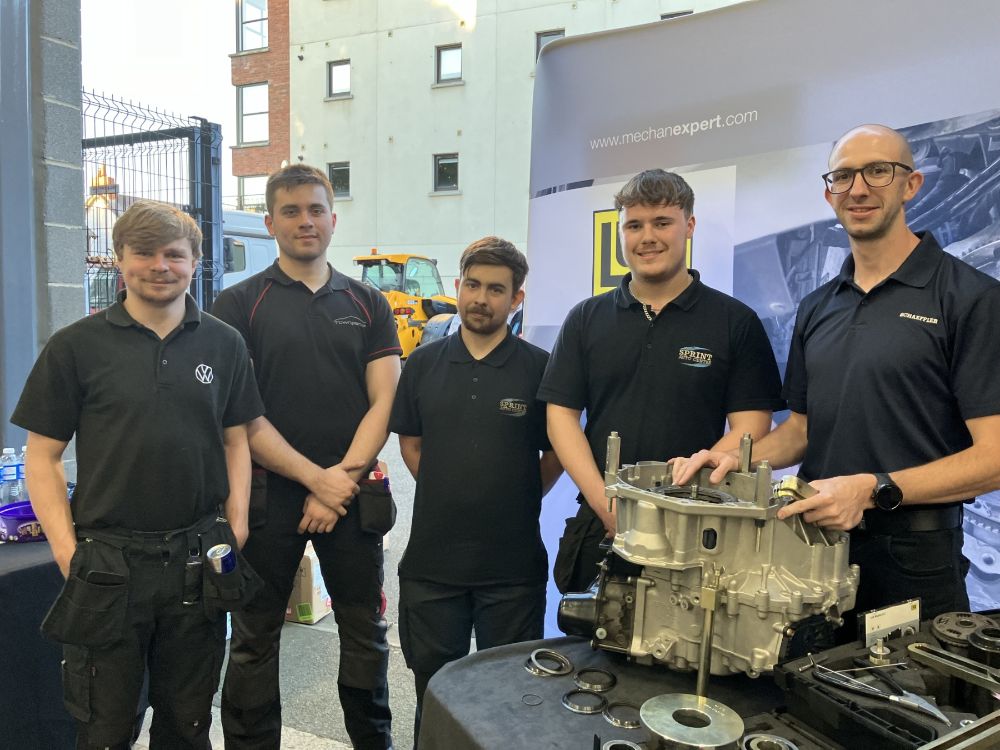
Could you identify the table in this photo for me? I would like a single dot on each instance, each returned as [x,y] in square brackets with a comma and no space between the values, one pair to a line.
[31,708]
[476,702]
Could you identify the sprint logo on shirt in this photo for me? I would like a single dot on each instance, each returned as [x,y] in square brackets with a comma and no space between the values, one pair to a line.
[694,356]
[919,318]
[513,407]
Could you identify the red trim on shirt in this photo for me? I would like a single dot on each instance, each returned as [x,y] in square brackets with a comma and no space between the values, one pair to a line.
[363,308]
[253,310]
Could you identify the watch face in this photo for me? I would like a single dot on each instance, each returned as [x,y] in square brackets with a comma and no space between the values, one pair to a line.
[888,496]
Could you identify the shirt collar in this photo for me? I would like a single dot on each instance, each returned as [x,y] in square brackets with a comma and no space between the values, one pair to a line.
[916,271]
[117,315]
[457,351]
[685,300]
[337,280]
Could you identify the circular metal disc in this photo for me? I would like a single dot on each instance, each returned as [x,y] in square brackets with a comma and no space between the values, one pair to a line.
[688,722]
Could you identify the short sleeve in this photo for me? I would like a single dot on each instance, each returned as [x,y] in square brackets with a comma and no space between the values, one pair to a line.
[975,357]
[52,398]
[565,380]
[405,416]
[384,341]
[754,382]
[796,382]
[244,403]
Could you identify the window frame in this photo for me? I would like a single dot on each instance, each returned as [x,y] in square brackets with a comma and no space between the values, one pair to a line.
[539,35]
[242,23]
[330,166]
[437,162]
[438,52]
[241,114]
[241,193]
[330,93]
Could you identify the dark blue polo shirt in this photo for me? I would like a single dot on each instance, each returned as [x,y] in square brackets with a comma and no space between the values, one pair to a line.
[665,386]
[148,414]
[888,378]
[310,352]
[479,490]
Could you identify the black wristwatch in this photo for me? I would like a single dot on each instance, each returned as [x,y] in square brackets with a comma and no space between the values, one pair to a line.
[886,495]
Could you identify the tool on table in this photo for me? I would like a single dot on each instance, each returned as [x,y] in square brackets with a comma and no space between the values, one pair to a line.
[893,691]
[954,665]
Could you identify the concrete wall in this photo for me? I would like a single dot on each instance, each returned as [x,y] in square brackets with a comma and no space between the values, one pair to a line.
[396,118]
[41,212]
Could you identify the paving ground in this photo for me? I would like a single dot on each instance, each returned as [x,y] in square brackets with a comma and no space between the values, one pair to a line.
[311,710]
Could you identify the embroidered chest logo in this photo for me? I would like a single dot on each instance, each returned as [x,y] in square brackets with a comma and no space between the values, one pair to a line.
[351,320]
[204,374]
[513,407]
[694,356]
[919,318]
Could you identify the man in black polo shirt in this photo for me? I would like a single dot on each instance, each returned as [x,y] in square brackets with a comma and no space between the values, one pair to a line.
[326,357]
[664,360]
[158,395]
[471,433]
[892,384]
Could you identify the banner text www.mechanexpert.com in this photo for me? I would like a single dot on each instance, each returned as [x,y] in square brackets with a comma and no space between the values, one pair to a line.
[670,131]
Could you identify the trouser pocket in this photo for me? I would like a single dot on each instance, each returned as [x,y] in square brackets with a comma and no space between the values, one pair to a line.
[376,508]
[570,544]
[228,581]
[92,606]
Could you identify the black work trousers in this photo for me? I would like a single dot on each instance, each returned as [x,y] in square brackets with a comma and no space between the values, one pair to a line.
[580,552]
[121,613]
[907,565]
[351,563]
[436,623]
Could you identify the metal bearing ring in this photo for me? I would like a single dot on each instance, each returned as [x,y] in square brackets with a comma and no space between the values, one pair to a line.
[580,708]
[597,687]
[620,745]
[617,721]
[761,741]
[539,670]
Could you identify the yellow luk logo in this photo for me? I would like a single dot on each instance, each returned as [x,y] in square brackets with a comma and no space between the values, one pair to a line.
[609,255]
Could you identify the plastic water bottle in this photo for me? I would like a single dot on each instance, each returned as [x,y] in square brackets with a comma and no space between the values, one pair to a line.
[22,478]
[8,477]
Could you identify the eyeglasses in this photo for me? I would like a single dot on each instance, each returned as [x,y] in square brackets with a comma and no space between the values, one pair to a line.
[877,174]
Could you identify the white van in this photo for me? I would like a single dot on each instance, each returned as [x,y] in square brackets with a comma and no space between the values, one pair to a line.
[247,248]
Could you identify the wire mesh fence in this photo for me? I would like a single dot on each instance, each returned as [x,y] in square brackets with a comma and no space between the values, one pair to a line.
[130,152]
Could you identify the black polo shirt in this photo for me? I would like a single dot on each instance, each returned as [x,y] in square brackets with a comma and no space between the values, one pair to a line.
[887,378]
[310,352]
[479,490]
[148,414]
[665,386]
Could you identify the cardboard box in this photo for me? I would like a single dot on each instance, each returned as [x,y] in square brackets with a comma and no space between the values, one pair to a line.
[309,602]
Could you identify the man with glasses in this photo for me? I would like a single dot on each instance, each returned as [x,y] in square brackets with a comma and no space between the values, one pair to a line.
[895,403]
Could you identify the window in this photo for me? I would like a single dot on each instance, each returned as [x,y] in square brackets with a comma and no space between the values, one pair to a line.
[544,37]
[675,14]
[234,255]
[251,193]
[339,173]
[422,278]
[338,78]
[251,114]
[445,172]
[251,24]
[449,63]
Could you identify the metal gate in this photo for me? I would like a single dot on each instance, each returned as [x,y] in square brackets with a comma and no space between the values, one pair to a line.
[131,152]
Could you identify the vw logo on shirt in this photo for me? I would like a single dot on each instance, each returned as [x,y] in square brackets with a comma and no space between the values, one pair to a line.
[204,374]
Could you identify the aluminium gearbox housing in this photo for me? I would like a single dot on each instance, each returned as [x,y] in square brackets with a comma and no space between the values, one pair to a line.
[712,579]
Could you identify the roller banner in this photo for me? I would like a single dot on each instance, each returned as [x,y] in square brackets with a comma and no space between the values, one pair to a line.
[746,102]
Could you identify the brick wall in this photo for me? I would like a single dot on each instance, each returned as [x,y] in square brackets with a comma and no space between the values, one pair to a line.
[270,65]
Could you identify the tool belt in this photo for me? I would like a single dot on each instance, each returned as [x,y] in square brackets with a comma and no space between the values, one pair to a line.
[903,521]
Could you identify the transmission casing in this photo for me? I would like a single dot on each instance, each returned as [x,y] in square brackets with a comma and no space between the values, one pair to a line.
[715,547]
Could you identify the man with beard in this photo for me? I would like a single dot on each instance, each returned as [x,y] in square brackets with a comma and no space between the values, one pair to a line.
[663,360]
[326,357]
[473,435]
[158,396]
[891,381]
